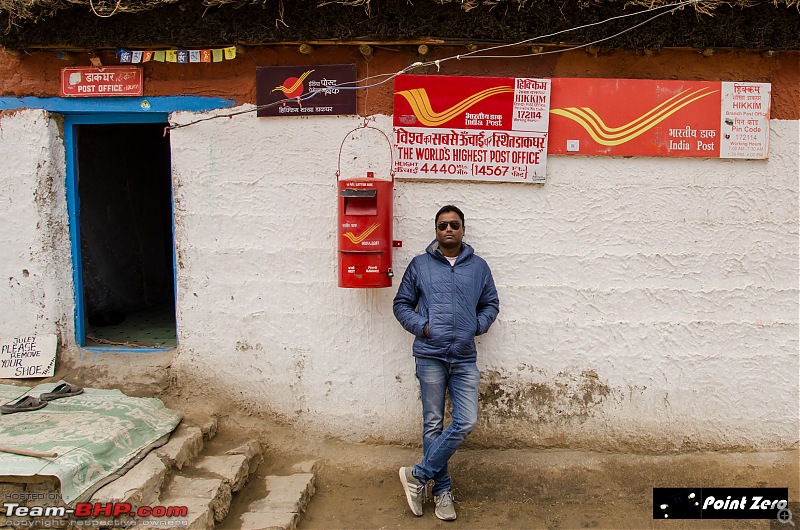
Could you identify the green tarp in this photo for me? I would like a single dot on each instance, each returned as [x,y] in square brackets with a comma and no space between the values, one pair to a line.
[94,434]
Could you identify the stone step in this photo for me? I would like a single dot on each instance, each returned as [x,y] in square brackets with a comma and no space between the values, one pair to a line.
[141,486]
[204,486]
[209,427]
[286,499]
[208,496]
[199,493]
[235,467]
[183,446]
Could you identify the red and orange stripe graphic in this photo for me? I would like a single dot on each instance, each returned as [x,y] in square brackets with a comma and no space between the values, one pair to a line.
[295,85]
[610,136]
[421,104]
[364,235]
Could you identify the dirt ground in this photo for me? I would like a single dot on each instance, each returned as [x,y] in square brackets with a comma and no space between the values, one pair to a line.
[358,485]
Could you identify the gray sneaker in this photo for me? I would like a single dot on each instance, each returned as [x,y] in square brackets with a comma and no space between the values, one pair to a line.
[444,506]
[414,490]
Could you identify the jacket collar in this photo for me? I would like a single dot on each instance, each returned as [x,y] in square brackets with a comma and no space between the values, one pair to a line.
[433,250]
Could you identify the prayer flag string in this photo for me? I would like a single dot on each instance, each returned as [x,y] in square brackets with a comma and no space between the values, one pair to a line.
[177,56]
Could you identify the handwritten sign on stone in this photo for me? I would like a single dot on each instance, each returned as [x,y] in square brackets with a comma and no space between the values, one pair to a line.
[22,357]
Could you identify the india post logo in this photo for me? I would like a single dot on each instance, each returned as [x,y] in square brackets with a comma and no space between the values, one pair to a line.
[364,235]
[292,87]
[606,135]
[420,104]
[305,90]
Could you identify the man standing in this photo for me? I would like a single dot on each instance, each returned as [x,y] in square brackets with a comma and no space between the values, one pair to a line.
[446,298]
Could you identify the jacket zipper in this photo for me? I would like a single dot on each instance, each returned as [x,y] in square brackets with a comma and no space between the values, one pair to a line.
[453,288]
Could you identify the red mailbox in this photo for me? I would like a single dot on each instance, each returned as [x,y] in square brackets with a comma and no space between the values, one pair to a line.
[365,232]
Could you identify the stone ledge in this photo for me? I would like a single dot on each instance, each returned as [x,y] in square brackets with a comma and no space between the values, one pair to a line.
[137,375]
[141,486]
[214,493]
[233,469]
[184,444]
[285,494]
[268,521]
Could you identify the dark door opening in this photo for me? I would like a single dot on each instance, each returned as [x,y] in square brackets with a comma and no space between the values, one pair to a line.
[126,236]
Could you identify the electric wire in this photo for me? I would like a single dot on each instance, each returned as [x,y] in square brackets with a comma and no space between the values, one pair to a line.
[576,47]
[670,8]
[476,54]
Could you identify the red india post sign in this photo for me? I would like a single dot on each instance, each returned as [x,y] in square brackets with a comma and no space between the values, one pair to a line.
[643,117]
[471,128]
[88,81]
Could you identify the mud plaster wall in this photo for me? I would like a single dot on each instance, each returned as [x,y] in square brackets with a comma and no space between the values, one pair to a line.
[646,304]
[37,73]
[35,264]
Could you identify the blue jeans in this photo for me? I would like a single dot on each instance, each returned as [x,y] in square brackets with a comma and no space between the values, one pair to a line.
[438,444]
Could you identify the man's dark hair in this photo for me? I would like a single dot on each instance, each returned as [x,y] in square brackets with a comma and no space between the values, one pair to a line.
[449,208]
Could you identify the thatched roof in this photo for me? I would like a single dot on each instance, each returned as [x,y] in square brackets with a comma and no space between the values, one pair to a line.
[96,24]
[35,10]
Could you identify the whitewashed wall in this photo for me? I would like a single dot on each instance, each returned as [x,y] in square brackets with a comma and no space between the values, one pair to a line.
[646,303]
[36,294]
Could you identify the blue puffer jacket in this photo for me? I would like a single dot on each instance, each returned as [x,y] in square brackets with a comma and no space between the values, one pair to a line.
[456,303]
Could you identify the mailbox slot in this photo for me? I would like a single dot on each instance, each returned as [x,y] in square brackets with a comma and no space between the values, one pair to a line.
[360,202]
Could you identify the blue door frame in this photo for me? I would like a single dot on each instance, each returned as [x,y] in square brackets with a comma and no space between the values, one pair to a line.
[80,111]
[74,210]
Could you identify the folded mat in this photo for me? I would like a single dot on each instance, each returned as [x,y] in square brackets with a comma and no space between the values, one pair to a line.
[94,434]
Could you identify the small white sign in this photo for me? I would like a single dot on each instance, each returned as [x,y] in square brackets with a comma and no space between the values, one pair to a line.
[744,127]
[531,111]
[23,357]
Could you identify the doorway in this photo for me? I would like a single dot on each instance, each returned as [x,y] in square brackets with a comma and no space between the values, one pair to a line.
[125,263]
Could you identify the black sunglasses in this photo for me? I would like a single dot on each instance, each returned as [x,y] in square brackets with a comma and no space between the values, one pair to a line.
[455,225]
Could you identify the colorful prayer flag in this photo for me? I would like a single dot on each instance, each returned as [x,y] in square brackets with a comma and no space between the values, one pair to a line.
[177,56]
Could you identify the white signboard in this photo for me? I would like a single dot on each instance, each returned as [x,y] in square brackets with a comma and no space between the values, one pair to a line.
[471,128]
[745,120]
[22,357]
